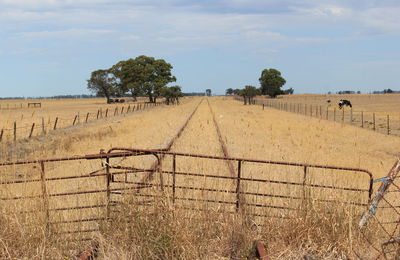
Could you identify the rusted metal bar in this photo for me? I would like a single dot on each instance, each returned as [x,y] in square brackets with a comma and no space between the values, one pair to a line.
[90,254]
[261,251]
[108,180]
[379,195]
[173,177]
[239,172]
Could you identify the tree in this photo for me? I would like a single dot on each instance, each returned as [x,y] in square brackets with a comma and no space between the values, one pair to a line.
[229,91]
[236,91]
[288,91]
[102,83]
[208,92]
[248,94]
[130,77]
[271,82]
[143,75]
[171,94]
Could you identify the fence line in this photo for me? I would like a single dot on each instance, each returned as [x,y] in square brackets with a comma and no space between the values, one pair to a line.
[373,121]
[36,129]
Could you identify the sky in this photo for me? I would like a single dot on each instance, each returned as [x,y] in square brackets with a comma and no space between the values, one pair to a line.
[50,47]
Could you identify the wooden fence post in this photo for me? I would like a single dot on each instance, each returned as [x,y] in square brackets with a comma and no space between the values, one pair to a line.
[15,131]
[129,108]
[263,106]
[107,112]
[362,119]
[44,196]
[334,114]
[98,113]
[327,113]
[115,111]
[1,135]
[75,120]
[173,177]
[87,117]
[43,129]
[31,132]
[373,120]
[388,127]
[238,186]
[55,124]
[122,110]
[343,115]
[351,115]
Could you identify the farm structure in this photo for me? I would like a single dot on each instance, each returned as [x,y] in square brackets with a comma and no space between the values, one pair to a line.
[195,163]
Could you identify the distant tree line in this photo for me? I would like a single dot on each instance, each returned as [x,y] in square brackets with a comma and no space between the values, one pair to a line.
[386,91]
[142,76]
[53,97]
[271,82]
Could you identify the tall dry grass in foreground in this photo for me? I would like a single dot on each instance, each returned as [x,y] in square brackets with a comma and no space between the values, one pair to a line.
[157,231]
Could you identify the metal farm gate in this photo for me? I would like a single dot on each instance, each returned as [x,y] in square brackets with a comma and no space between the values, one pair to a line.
[73,196]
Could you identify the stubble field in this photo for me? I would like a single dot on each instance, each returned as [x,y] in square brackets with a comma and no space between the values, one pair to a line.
[163,230]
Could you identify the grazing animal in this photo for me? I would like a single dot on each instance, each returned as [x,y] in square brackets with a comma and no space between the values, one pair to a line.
[344,102]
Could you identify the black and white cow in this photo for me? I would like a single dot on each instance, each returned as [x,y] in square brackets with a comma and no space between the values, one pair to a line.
[344,102]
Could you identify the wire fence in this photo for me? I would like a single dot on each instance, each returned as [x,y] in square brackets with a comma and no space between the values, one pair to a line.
[385,123]
[16,132]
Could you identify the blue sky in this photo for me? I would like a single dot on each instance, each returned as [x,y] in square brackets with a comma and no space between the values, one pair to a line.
[50,47]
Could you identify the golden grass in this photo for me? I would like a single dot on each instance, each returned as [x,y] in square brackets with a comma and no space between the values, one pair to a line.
[63,109]
[162,230]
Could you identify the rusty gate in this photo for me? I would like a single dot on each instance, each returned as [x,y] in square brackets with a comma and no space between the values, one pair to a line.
[81,191]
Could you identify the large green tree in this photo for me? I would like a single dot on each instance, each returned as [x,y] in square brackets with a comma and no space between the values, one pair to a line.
[103,84]
[271,82]
[143,75]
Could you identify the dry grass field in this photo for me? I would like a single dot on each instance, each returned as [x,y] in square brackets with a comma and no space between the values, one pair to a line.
[44,117]
[162,230]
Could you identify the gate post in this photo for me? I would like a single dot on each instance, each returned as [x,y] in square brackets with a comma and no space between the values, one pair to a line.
[304,183]
[238,186]
[173,177]
[108,181]
[44,196]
